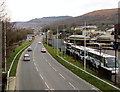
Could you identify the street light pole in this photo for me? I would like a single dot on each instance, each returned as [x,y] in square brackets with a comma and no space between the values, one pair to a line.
[5,29]
[57,40]
[85,48]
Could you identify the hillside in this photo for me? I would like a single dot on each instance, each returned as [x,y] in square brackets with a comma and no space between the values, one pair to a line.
[98,17]
[39,22]
[106,16]
[46,20]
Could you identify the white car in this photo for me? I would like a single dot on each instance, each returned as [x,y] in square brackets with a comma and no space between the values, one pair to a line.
[26,57]
[29,49]
[39,42]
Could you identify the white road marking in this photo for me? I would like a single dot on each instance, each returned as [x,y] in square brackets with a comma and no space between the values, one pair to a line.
[36,68]
[34,51]
[72,85]
[62,76]
[54,69]
[41,77]
[49,64]
[47,85]
[35,64]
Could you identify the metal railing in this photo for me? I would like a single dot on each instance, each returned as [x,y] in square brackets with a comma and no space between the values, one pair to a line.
[9,70]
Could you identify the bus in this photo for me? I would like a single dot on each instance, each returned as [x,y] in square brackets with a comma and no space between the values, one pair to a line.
[107,46]
[93,45]
[103,60]
[100,46]
[94,57]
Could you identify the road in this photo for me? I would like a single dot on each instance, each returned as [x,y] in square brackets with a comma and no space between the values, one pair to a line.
[44,73]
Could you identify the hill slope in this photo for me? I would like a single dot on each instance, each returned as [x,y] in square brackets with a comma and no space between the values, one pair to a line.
[106,16]
[38,22]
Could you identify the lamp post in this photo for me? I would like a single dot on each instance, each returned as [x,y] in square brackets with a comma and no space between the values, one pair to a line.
[57,40]
[85,48]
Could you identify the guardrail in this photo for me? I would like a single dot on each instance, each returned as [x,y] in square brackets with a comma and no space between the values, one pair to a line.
[8,73]
[89,73]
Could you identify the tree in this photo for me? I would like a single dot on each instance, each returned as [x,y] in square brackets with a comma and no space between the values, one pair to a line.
[2,10]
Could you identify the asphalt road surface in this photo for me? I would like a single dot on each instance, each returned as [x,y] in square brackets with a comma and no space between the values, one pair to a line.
[43,72]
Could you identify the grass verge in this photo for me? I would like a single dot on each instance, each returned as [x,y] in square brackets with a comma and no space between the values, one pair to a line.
[12,55]
[97,83]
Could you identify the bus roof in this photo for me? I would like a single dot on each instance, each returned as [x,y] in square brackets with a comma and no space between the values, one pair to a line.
[94,51]
[101,54]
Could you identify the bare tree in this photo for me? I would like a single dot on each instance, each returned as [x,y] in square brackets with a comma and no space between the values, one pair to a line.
[2,10]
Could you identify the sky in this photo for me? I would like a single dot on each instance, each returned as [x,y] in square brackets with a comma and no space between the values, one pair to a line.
[24,10]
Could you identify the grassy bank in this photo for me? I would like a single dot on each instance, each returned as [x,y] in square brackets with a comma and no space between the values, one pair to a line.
[102,86]
[12,55]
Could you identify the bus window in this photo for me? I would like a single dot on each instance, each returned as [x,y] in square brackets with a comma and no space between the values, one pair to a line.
[110,62]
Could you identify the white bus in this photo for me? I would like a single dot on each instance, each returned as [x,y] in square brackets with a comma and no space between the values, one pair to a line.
[96,58]
[104,60]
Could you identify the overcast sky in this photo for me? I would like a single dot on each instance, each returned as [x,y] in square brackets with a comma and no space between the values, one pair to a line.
[24,10]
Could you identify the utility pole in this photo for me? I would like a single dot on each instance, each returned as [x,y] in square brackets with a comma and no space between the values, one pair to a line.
[57,40]
[5,29]
[85,48]
[75,46]
[117,29]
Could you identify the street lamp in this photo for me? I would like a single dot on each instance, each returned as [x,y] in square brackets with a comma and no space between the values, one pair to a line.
[85,48]
[57,40]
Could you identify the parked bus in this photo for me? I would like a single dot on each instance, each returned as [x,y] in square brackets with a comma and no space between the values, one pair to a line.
[104,60]
[95,58]
[100,46]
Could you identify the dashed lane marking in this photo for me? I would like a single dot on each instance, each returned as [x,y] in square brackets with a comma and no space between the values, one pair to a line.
[36,68]
[47,85]
[71,85]
[41,77]
[49,64]
[35,64]
[62,76]
[54,69]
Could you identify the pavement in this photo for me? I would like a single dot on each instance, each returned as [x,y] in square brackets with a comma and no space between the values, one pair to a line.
[11,84]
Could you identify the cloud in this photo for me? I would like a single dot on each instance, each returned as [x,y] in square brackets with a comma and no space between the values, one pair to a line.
[28,9]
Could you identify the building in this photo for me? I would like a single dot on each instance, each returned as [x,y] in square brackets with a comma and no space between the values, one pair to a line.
[105,39]
[93,27]
[78,39]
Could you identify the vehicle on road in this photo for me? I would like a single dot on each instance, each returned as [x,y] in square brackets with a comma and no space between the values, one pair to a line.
[39,42]
[43,50]
[26,57]
[29,49]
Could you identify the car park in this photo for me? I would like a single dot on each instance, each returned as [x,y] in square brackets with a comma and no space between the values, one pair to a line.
[26,57]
